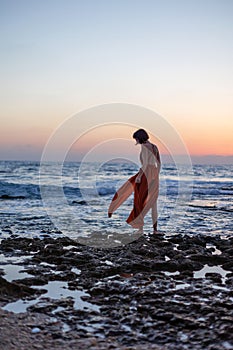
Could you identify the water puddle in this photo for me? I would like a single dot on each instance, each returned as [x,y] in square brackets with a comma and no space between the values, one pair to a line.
[14,259]
[75,270]
[47,264]
[221,288]
[18,306]
[14,272]
[65,327]
[69,247]
[167,273]
[212,269]
[109,263]
[58,309]
[182,286]
[55,290]
[216,251]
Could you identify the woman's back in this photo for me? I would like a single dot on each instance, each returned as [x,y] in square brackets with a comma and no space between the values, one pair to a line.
[148,155]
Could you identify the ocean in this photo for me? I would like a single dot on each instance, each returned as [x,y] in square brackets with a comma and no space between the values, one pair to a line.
[36,201]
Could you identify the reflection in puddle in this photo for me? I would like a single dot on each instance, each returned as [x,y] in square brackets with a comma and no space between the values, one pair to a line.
[108,239]
[55,290]
[211,269]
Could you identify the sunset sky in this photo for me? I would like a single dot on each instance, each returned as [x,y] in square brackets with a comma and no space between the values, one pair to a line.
[59,57]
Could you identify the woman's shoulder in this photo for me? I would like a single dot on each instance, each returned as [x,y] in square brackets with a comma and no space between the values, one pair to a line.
[152,146]
[154,149]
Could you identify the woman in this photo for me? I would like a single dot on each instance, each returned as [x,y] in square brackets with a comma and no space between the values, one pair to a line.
[145,185]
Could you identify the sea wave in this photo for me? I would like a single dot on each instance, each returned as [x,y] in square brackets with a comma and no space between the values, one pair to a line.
[212,205]
[12,191]
[18,191]
[171,188]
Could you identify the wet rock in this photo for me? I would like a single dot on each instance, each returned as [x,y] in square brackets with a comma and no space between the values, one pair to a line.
[144,297]
[214,277]
[208,258]
[227,265]
[14,290]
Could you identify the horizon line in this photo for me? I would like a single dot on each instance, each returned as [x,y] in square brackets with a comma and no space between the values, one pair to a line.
[207,159]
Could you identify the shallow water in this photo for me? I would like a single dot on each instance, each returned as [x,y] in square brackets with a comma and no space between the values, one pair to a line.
[212,269]
[197,201]
[55,290]
[14,272]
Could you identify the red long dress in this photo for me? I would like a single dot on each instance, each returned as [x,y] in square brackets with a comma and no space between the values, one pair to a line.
[146,192]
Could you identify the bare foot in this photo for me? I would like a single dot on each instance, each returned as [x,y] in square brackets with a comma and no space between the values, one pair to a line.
[109,215]
[155,227]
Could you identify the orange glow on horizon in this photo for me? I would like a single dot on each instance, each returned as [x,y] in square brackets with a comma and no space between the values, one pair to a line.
[105,133]
[218,141]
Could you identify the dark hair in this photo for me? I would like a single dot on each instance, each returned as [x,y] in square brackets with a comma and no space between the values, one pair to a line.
[141,135]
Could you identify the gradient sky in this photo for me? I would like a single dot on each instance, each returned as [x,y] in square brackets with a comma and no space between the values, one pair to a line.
[62,56]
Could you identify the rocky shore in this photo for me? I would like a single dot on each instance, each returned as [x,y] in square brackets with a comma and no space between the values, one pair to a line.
[158,292]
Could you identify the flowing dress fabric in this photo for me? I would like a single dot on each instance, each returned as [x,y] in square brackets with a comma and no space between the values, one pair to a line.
[145,192]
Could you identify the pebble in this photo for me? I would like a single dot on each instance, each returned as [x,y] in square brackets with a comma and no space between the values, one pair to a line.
[36,330]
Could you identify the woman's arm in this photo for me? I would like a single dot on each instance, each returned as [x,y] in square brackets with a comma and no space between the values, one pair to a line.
[145,156]
[144,162]
[157,155]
